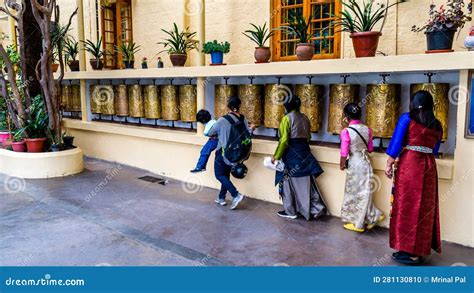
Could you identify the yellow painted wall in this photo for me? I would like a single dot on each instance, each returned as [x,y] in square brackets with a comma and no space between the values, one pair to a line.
[226,19]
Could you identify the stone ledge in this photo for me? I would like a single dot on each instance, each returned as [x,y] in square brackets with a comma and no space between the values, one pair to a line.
[41,165]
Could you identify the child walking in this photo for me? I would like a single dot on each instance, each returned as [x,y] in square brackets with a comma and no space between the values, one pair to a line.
[358,211]
[204,117]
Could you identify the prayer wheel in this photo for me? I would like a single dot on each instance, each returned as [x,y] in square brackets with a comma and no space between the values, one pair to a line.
[383,104]
[440,93]
[106,98]
[121,100]
[94,99]
[66,98]
[275,97]
[152,102]
[135,101]
[222,94]
[76,98]
[312,99]
[340,95]
[169,103]
[251,108]
[188,102]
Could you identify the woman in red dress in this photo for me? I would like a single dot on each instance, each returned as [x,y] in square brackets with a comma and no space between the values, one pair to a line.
[414,223]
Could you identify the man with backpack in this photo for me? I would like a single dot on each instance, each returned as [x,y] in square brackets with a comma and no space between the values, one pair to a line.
[234,147]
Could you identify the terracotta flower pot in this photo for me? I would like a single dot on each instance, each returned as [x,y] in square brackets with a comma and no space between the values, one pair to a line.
[74,65]
[365,43]
[304,51]
[55,67]
[178,60]
[35,145]
[262,54]
[7,145]
[4,135]
[96,65]
[19,146]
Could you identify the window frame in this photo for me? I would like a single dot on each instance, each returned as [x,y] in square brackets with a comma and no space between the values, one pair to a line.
[277,37]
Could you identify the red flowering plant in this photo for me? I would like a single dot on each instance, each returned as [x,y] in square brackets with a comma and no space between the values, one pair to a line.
[447,17]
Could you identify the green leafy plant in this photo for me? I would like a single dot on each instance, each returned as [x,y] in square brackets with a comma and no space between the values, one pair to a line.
[95,49]
[297,26]
[17,135]
[215,46]
[71,49]
[259,35]
[450,16]
[37,124]
[362,17]
[59,37]
[178,42]
[128,50]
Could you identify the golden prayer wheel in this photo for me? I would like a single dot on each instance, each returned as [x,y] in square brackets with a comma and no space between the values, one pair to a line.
[222,93]
[275,97]
[106,98]
[152,102]
[66,98]
[251,108]
[440,93]
[340,95]
[135,101]
[383,104]
[121,100]
[76,98]
[169,103]
[94,100]
[188,102]
[312,99]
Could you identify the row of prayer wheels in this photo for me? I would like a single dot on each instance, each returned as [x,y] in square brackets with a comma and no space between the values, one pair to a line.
[382,104]
[71,98]
[166,102]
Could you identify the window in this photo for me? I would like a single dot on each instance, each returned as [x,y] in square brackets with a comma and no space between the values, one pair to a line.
[116,29]
[325,39]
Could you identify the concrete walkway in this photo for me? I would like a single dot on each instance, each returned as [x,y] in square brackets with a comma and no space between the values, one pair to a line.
[106,216]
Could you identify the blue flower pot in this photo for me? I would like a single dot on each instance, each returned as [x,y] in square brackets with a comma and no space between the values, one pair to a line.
[217,57]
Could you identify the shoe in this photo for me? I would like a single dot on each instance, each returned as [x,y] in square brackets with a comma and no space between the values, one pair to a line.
[235,202]
[220,202]
[283,214]
[351,227]
[405,258]
[197,170]
[379,220]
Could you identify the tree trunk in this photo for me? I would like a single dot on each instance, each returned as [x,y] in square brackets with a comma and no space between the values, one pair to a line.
[32,51]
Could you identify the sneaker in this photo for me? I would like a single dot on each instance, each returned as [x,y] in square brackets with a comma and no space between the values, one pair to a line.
[236,201]
[197,170]
[283,214]
[220,202]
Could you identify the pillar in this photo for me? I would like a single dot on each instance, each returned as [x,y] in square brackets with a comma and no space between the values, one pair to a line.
[82,57]
[200,58]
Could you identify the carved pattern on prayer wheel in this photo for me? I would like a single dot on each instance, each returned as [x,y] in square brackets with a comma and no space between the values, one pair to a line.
[188,102]
[312,100]
[121,100]
[252,100]
[222,93]
[275,97]
[169,103]
[152,102]
[383,104]
[340,95]
[135,101]
[76,98]
[66,98]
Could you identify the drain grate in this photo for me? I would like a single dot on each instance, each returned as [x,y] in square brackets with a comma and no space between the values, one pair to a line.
[152,179]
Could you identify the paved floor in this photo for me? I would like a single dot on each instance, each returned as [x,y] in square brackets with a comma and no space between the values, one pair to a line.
[106,216]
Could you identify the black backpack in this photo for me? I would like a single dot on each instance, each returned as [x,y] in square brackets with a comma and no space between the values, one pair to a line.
[239,144]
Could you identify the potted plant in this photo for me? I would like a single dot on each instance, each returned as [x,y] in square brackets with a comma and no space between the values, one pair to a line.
[54,61]
[18,143]
[95,49]
[360,19]
[68,140]
[178,44]
[145,63]
[71,49]
[443,24]
[298,27]
[128,51]
[159,63]
[4,123]
[55,142]
[260,35]
[35,127]
[216,50]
